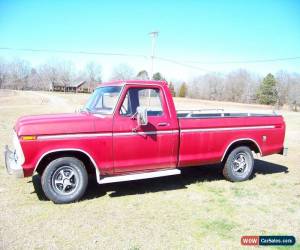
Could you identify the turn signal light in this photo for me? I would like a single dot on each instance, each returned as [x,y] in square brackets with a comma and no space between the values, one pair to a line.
[28,137]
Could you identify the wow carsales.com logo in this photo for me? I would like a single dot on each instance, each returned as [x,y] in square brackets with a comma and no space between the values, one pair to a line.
[268,240]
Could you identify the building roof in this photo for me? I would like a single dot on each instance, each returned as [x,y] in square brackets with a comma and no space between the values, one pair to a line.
[60,83]
[75,84]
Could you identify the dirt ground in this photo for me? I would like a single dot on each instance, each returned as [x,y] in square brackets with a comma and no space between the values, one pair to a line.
[195,210]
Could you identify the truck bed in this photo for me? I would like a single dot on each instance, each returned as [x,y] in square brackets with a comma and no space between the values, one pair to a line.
[206,134]
[215,113]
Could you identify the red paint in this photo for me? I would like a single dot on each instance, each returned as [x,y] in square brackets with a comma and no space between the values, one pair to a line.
[116,153]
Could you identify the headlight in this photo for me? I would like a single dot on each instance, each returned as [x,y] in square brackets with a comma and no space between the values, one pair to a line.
[19,152]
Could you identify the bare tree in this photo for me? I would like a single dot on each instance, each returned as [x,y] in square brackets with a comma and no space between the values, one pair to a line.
[18,72]
[93,71]
[237,86]
[240,86]
[49,76]
[294,92]
[122,72]
[284,82]
[92,74]
[195,87]
[142,75]
[208,86]
[34,80]
[55,72]
[3,72]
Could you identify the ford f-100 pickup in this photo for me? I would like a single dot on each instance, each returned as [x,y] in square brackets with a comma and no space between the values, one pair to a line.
[130,130]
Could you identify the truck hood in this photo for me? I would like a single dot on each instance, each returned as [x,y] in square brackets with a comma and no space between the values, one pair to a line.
[55,124]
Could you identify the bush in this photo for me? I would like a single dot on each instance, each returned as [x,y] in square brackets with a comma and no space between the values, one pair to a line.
[182,90]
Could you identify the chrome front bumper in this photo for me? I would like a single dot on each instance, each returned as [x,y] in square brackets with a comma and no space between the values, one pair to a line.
[11,165]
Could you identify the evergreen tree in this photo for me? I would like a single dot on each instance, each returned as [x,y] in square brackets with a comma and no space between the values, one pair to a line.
[158,77]
[182,90]
[267,93]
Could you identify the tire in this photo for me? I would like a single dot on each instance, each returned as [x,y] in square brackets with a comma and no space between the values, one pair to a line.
[239,164]
[64,180]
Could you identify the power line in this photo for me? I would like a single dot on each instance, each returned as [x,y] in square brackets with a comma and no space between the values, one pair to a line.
[102,53]
[184,63]
[249,61]
[75,52]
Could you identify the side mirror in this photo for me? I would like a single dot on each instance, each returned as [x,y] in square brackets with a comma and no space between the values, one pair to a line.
[142,116]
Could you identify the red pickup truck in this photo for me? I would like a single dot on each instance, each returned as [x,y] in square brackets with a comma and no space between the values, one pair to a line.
[130,130]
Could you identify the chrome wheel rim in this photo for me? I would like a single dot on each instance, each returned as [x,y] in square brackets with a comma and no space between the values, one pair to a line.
[240,164]
[65,180]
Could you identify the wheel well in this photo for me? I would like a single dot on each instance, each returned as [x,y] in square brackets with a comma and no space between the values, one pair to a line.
[248,143]
[90,168]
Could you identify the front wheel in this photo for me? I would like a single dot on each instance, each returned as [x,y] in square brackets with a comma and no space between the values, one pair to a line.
[239,164]
[64,180]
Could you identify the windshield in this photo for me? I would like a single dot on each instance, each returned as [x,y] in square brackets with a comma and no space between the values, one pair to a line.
[103,100]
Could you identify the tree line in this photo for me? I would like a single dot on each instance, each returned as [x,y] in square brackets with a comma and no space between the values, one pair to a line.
[19,74]
[245,87]
[236,86]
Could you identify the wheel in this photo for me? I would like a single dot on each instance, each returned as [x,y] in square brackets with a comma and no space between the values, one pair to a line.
[64,180]
[239,164]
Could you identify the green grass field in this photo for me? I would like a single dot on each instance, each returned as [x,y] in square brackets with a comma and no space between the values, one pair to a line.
[195,210]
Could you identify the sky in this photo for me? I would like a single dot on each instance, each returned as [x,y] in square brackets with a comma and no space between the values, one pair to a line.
[209,32]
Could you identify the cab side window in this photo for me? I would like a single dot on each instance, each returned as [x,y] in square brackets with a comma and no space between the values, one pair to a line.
[144,97]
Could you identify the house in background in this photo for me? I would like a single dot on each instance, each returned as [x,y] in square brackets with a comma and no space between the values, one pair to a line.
[58,85]
[74,86]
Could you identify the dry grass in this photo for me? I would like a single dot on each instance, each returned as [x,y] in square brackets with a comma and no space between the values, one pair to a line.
[195,210]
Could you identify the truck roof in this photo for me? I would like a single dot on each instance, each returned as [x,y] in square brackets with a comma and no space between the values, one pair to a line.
[124,82]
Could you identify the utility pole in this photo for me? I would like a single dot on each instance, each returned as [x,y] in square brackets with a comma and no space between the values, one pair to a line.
[153,35]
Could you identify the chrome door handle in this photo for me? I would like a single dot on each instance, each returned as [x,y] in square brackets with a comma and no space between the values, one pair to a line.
[162,124]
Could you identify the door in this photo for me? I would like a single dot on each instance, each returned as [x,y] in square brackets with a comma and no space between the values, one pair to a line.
[148,147]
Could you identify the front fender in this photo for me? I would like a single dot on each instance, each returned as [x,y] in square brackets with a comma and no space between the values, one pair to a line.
[99,150]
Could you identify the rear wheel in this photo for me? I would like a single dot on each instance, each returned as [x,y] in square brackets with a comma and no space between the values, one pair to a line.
[239,164]
[64,180]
